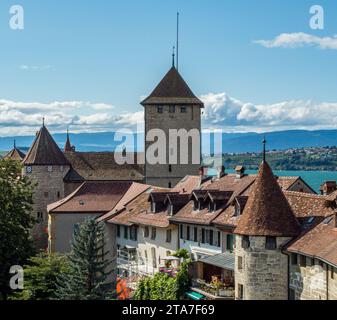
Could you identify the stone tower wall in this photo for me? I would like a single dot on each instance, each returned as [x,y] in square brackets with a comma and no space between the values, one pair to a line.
[159,174]
[49,189]
[264,273]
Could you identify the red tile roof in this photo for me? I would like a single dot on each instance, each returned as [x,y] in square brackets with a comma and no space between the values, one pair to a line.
[318,242]
[133,192]
[309,205]
[92,197]
[137,211]
[45,151]
[95,166]
[187,184]
[267,212]
[172,89]
[15,154]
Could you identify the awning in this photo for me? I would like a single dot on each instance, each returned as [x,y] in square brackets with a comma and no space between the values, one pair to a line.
[195,295]
[223,260]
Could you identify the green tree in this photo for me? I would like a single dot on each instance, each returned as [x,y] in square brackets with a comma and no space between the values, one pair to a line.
[16,221]
[41,275]
[183,280]
[163,286]
[86,278]
[182,254]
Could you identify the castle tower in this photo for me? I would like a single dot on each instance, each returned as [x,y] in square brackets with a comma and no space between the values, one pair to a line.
[172,105]
[15,154]
[267,223]
[47,166]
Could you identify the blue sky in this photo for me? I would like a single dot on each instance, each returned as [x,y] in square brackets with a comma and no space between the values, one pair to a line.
[87,64]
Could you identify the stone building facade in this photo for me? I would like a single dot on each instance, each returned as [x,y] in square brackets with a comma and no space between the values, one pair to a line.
[266,225]
[260,274]
[312,279]
[47,166]
[172,106]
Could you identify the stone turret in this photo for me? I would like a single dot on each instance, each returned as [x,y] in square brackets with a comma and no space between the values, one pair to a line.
[172,105]
[47,166]
[266,225]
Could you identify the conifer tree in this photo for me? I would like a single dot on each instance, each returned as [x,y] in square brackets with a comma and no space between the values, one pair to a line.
[87,276]
[16,221]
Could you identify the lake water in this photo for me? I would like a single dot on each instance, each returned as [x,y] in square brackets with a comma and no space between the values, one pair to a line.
[313,178]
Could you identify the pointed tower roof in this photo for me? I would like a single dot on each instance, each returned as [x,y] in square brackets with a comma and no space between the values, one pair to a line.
[45,151]
[267,212]
[172,90]
[15,154]
[68,147]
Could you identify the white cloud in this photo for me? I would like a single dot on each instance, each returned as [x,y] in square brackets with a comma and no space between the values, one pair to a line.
[221,112]
[299,39]
[25,118]
[35,67]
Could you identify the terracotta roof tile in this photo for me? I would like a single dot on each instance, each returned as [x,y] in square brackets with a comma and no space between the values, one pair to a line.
[172,89]
[45,151]
[188,215]
[133,192]
[93,166]
[92,196]
[309,205]
[320,241]
[187,184]
[15,154]
[137,211]
[267,212]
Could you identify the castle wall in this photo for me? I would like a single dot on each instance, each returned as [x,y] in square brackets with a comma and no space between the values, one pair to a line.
[264,273]
[313,281]
[160,174]
[49,189]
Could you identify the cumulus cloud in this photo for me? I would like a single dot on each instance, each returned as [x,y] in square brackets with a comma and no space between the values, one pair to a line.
[24,118]
[223,111]
[299,39]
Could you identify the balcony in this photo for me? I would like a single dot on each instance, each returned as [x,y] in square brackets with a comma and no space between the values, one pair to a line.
[215,290]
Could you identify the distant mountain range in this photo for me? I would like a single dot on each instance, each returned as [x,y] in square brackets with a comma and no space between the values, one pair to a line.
[232,142]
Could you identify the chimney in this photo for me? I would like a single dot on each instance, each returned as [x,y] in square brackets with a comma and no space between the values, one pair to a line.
[202,173]
[221,172]
[240,171]
[328,187]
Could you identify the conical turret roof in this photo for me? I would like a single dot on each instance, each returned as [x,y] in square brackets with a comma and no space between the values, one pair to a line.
[67,147]
[45,151]
[172,89]
[15,154]
[267,212]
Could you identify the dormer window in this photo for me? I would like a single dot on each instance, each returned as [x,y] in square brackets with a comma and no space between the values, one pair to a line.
[212,206]
[237,212]
[195,205]
[153,207]
[170,209]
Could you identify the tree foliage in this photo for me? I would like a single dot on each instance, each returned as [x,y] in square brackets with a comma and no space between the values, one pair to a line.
[16,221]
[164,287]
[87,276]
[41,275]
